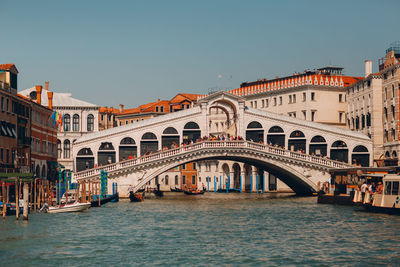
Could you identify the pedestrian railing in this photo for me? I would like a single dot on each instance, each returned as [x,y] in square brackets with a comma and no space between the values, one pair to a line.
[212,145]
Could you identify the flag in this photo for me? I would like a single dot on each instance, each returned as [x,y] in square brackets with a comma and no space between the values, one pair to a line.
[53,117]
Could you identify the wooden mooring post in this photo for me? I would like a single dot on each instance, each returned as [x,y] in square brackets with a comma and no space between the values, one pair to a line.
[17,198]
[26,201]
[3,189]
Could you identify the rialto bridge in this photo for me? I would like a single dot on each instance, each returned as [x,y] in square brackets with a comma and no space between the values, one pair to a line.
[299,152]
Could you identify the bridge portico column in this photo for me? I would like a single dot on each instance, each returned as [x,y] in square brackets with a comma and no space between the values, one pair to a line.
[231,179]
[254,179]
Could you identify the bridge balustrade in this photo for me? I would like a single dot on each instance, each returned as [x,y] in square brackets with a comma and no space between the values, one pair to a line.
[211,144]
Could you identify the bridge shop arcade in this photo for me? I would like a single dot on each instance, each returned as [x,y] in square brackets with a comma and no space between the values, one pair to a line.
[297,152]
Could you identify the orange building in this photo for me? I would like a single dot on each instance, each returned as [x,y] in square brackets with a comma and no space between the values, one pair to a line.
[43,135]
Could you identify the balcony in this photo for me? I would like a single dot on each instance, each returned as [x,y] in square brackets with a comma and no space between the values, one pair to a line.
[5,86]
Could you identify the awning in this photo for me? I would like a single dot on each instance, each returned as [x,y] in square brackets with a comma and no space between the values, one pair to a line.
[11,176]
[3,131]
[13,131]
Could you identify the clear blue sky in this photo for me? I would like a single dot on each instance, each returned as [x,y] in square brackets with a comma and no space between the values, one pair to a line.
[133,52]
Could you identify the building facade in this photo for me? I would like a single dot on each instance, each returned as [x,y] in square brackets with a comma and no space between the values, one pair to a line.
[364,108]
[43,137]
[389,68]
[78,118]
[318,95]
[15,138]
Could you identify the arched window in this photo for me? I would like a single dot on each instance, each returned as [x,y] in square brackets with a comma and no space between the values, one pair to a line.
[59,150]
[90,123]
[67,149]
[254,125]
[67,123]
[166,180]
[75,123]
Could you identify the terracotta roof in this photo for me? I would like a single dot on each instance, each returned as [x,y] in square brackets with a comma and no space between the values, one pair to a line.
[108,110]
[8,67]
[182,97]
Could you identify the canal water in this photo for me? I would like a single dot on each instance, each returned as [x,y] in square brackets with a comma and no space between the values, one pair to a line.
[213,229]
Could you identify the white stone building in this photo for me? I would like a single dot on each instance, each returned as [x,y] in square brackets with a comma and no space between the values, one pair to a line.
[78,118]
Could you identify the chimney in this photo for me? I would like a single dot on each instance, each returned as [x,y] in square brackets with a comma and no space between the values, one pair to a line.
[121,107]
[50,98]
[368,67]
[39,94]
[47,85]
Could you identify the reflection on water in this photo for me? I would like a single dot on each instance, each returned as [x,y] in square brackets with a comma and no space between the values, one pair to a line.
[228,229]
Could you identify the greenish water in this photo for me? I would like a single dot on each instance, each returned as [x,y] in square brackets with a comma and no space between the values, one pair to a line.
[214,229]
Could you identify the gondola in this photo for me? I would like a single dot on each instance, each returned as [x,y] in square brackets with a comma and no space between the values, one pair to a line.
[135,197]
[175,189]
[196,192]
[158,193]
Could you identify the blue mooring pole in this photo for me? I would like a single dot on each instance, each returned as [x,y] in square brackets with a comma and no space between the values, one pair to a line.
[215,185]
[227,184]
[220,182]
[208,184]
[263,179]
[251,183]
[257,183]
[240,177]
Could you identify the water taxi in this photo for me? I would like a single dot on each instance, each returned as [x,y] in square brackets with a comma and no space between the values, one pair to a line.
[386,200]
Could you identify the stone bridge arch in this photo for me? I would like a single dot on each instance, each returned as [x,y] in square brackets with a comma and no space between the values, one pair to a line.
[299,181]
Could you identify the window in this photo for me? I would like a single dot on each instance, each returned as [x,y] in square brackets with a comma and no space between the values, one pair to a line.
[392,90]
[166,179]
[187,106]
[193,179]
[194,165]
[385,93]
[262,103]
[162,109]
[75,123]
[251,104]
[340,117]
[67,123]
[7,156]
[395,188]
[280,100]
[304,114]
[59,150]
[304,96]
[176,180]
[294,98]
[102,117]
[67,149]
[90,123]
[290,99]
[340,98]
[312,96]
[126,122]
[255,104]
[131,121]
[156,109]
[109,117]
[312,115]
[183,179]
[266,103]
[393,133]
[183,166]
[274,101]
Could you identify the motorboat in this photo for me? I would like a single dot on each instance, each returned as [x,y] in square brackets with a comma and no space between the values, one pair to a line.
[73,207]
[386,201]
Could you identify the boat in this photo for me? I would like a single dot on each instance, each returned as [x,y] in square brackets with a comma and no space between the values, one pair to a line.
[158,193]
[135,197]
[74,207]
[176,189]
[193,192]
[111,198]
[386,201]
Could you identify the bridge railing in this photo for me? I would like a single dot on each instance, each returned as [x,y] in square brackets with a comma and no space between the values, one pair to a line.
[210,144]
